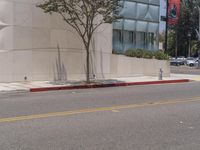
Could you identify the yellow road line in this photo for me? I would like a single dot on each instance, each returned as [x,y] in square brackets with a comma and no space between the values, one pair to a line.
[101,109]
[116,111]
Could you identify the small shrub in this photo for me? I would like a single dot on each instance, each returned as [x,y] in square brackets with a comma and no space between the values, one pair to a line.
[148,54]
[131,53]
[139,53]
[160,55]
[117,52]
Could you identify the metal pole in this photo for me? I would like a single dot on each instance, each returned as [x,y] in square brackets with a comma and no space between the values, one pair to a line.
[166,27]
[176,42]
[199,41]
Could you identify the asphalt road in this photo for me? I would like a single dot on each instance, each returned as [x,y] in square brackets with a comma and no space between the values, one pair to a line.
[151,117]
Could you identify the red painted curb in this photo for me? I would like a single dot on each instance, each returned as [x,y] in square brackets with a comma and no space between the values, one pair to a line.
[87,86]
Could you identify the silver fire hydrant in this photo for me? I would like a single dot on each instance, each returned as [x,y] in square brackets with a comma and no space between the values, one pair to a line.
[160,76]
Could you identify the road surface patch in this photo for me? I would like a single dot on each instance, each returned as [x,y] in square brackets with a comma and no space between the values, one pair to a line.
[101,109]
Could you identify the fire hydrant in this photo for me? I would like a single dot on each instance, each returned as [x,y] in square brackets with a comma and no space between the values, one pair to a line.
[160,76]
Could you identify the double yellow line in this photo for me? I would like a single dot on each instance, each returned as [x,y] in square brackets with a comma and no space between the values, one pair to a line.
[101,109]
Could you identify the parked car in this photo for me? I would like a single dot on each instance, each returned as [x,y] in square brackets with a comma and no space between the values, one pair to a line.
[190,62]
[196,62]
[182,59]
[176,62]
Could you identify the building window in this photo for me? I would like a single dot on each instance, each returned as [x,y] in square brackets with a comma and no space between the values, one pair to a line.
[129,40]
[117,40]
[150,41]
[141,40]
[138,27]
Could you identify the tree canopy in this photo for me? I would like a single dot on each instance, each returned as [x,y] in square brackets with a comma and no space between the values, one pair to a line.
[188,23]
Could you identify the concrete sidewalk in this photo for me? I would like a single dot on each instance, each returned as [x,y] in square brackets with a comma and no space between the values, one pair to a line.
[47,85]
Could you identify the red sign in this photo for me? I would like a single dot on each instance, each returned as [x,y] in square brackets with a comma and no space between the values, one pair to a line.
[173,11]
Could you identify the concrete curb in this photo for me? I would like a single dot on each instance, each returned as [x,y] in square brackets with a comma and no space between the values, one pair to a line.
[87,86]
[14,91]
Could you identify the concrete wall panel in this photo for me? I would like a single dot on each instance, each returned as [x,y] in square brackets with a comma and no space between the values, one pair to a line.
[41,38]
[43,47]
[40,19]
[122,66]
[25,12]
[6,38]
[6,12]
[22,38]
[6,66]
[22,65]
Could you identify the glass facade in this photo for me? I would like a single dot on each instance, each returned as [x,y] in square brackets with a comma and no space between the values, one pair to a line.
[138,26]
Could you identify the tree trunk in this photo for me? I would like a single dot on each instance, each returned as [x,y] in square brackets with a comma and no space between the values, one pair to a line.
[87,65]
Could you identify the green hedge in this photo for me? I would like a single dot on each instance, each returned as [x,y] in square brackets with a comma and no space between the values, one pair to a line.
[140,53]
[160,55]
[117,52]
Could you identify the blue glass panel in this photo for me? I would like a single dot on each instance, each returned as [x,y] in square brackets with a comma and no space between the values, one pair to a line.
[129,40]
[129,25]
[154,13]
[141,26]
[143,1]
[153,27]
[129,10]
[142,10]
[118,24]
[117,40]
[155,2]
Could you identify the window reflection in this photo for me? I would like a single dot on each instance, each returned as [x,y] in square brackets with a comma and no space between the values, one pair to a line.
[138,27]
[117,40]
[129,39]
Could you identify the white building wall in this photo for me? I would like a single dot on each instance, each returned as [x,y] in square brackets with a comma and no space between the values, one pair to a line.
[42,47]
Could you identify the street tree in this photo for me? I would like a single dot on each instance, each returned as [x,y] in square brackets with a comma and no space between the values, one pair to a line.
[85,16]
[171,42]
[188,23]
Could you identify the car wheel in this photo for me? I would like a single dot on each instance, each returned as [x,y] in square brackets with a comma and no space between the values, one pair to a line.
[191,65]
